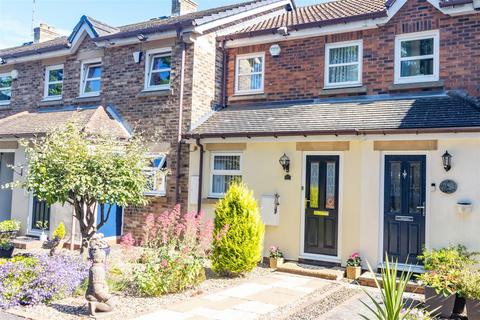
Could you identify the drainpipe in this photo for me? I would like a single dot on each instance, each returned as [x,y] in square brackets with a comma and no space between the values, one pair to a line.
[200,176]
[224,76]
[180,120]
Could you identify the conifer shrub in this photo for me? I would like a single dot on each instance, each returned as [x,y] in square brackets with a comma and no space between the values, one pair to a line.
[238,232]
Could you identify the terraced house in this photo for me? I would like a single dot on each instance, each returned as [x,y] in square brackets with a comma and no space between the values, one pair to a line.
[159,76]
[357,125]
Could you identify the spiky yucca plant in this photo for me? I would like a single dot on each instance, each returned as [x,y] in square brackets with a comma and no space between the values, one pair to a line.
[392,306]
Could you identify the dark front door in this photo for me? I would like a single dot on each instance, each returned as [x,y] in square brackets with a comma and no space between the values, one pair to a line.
[321,205]
[404,222]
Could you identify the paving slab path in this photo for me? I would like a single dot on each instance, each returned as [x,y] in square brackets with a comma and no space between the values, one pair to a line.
[252,299]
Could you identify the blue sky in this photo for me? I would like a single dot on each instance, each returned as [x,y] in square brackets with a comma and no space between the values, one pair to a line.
[16,15]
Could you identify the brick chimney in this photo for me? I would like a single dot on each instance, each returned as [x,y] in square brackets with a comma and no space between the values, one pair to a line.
[43,33]
[181,7]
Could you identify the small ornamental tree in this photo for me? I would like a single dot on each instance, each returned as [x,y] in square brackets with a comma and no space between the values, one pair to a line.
[69,166]
[238,232]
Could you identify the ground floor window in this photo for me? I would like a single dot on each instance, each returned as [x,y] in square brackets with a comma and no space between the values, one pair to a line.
[156,173]
[225,168]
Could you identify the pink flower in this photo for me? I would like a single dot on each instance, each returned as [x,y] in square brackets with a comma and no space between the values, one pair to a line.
[273,248]
[164,263]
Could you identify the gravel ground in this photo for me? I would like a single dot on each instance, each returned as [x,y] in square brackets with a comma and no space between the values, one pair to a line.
[127,306]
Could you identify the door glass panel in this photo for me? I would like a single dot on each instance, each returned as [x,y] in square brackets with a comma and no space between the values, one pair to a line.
[330,186]
[395,195]
[414,190]
[314,174]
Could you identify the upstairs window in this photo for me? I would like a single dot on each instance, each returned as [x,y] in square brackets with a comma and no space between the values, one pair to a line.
[417,57]
[91,78]
[158,69]
[156,174]
[343,64]
[5,88]
[226,168]
[53,82]
[250,73]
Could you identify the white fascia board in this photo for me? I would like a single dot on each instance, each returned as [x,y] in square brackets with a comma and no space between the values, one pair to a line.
[117,42]
[80,36]
[39,56]
[244,14]
[368,137]
[307,33]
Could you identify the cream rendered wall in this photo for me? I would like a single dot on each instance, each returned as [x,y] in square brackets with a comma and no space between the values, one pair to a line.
[361,216]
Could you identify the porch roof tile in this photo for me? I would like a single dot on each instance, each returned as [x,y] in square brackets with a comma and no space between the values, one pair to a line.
[94,120]
[342,116]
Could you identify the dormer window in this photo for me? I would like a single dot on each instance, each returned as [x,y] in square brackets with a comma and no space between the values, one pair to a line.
[417,57]
[5,88]
[343,64]
[53,82]
[249,75]
[91,78]
[158,69]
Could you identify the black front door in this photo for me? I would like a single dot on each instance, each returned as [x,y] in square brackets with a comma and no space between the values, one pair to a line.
[321,205]
[404,222]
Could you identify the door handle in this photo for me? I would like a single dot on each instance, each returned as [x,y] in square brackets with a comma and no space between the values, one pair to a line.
[423,210]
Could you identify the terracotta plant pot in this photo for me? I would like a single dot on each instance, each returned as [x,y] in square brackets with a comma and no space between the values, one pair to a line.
[439,305]
[473,309]
[275,262]
[7,254]
[353,273]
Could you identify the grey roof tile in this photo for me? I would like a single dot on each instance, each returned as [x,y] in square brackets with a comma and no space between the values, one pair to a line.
[92,120]
[363,114]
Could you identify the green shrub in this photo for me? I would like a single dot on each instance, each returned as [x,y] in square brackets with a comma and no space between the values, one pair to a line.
[60,232]
[9,225]
[238,232]
[444,268]
[470,285]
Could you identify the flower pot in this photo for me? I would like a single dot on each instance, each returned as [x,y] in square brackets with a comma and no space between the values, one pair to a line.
[459,306]
[43,237]
[473,309]
[275,262]
[107,252]
[6,253]
[353,273]
[438,304]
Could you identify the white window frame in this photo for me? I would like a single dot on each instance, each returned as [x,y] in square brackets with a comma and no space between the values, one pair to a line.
[343,44]
[150,55]
[436,56]
[213,172]
[7,74]
[47,82]
[83,74]
[237,73]
[163,192]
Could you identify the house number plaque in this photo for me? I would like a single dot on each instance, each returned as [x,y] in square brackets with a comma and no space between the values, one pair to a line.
[448,186]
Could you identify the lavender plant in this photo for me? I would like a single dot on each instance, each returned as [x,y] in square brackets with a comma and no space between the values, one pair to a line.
[40,279]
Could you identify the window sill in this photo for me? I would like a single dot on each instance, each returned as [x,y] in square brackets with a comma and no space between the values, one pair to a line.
[211,200]
[343,90]
[247,97]
[416,85]
[155,93]
[5,105]
[95,98]
[50,102]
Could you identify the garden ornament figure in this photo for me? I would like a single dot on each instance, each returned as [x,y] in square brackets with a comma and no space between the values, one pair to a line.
[97,295]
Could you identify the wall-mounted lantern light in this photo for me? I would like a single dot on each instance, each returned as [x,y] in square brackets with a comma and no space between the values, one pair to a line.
[137,56]
[14,74]
[447,161]
[285,163]
[275,50]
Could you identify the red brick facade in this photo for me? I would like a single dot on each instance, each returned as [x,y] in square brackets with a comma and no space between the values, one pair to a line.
[298,73]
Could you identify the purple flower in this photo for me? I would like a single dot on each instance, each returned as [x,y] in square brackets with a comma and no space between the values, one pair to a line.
[40,279]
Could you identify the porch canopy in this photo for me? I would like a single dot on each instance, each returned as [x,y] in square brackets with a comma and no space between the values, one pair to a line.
[381,114]
[93,120]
